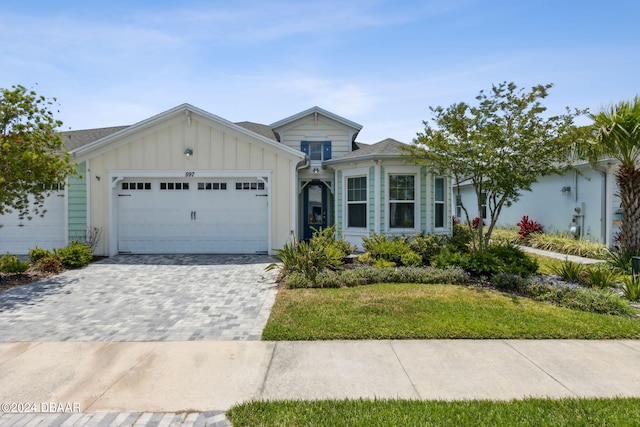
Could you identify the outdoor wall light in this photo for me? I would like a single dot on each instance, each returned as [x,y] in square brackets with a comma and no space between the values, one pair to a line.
[188,152]
[316,170]
[566,189]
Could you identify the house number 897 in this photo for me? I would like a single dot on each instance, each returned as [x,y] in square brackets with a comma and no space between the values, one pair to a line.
[189,174]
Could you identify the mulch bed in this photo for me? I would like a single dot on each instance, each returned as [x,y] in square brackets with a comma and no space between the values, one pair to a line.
[13,280]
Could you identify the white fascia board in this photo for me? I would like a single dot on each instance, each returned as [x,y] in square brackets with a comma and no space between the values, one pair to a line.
[318,110]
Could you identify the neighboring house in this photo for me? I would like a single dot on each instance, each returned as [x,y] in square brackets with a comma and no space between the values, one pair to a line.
[583,203]
[187,181]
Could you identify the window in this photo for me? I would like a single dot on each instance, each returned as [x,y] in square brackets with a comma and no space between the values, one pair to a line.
[316,150]
[483,205]
[438,201]
[458,206]
[174,186]
[212,186]
[401,201]
[136,186]
[357,202]
[250,186]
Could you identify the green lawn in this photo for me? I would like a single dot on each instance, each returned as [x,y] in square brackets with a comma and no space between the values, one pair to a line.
[529,412]
[409,311]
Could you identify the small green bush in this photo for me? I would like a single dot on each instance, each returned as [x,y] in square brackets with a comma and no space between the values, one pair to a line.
[620,261]
[426,246]
[300,257]
[383,263]
[366,258]
[36,254]
[296,280]
[75,255]
[388,248]
[49,264]
[503,258]
[509,282]
[12,264]
[514,260]
[461,237]
[411,259]
[336,248]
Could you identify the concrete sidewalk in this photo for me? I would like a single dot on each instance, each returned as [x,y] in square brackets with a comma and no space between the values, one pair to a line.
[215,375]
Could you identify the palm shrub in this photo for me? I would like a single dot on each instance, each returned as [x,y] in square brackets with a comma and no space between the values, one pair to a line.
[568,270]
[600,276]
[631,287]
[305,259]
[620,260]
[336,248]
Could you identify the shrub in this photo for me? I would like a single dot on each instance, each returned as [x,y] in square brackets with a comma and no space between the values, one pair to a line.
[504,235]
[336,248]
[460,238]
[49,264]
[568,270]
[600,276]
[388,248]
[631,287]
[411,259]
[527,227]
[426,246]
[509,282]
[295,280]
[620,261]
[12,264]
[496,259]
[383,263]
[36,254]
[566,244]
[75,255]
[591,300]
[300,257]
[366,258]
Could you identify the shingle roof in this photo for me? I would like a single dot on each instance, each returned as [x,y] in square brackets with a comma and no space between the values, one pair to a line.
[260,129]
[386,148]
[77,138]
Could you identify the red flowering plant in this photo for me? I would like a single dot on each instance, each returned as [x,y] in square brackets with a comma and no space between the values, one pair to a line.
[528,226]
[475,222]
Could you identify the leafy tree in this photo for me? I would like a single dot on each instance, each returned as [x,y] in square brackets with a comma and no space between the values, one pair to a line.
[33,161]
[500,146]
[616,132]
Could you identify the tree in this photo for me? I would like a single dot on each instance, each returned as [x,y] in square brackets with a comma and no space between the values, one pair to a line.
[616,134]
[33,161]
[499,146]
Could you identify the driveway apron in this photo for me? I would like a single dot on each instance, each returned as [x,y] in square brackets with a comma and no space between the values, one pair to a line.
[145,298]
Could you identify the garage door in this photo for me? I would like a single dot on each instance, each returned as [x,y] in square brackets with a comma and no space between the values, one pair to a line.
[192,216]
[48,232]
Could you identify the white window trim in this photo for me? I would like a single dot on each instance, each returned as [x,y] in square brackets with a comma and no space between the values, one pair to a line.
[403,170]
[346,201]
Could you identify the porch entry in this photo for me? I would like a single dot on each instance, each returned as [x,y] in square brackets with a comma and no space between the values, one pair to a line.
[314,208]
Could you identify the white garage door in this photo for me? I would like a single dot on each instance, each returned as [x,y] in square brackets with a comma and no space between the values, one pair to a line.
[176,215]
[48,232]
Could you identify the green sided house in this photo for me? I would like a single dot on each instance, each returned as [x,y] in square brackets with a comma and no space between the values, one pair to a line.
[187,181]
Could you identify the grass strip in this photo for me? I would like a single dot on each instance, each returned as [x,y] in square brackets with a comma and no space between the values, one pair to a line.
[410,311]
[527,412]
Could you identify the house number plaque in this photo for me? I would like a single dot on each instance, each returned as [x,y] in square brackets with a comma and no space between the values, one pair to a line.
[189,174]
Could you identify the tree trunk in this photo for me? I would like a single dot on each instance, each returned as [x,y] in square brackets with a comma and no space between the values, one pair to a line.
[628,179]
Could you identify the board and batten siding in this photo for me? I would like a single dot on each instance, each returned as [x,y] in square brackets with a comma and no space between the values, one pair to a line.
[160,147]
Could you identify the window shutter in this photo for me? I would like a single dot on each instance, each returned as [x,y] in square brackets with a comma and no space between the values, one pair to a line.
[326,148]
[304,147]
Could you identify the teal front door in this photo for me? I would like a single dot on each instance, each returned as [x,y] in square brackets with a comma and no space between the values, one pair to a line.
[315,208]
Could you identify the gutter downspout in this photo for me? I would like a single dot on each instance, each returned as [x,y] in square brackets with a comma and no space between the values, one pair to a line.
[605,220]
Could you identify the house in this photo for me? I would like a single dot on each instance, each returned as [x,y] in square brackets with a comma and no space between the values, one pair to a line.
[187,181]
[583,202]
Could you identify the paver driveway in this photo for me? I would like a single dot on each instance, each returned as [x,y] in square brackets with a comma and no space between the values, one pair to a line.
[145,298]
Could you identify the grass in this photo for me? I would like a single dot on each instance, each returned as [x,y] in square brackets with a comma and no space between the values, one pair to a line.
[527,412]
[408,311]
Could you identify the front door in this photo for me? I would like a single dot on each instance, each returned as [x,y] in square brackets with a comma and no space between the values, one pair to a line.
[315,208]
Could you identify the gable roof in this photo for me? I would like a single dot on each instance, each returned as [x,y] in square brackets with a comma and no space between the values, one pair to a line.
[387,148]
[355,126]
[74,139]
[184,109]
[260,129]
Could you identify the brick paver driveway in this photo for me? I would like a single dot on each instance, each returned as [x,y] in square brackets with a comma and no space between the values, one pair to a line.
[145,298]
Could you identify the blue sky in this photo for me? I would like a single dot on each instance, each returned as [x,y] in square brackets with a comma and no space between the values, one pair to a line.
[379,63]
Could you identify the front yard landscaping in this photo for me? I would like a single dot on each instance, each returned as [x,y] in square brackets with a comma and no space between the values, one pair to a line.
[429,287]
